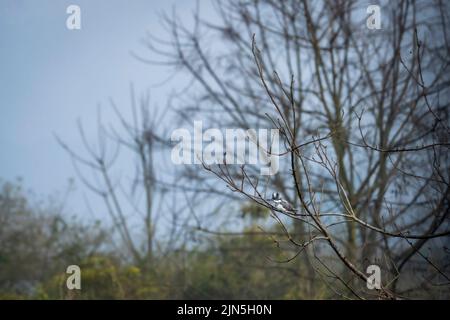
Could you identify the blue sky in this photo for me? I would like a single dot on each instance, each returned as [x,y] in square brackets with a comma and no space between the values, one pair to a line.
[51,76]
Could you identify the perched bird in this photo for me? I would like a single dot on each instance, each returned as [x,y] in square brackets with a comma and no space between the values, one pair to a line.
[282,204]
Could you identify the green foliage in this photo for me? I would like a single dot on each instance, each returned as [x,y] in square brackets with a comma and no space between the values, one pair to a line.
[37,244]
[102,278]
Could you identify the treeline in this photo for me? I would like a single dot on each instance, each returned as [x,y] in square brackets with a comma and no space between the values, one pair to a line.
[38,242]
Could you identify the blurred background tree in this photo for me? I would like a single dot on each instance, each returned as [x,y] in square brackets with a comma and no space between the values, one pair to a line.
[38,242]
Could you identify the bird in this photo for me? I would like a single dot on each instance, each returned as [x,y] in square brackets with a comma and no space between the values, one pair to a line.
[282,204]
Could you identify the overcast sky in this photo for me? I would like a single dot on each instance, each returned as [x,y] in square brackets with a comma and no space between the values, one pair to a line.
[51,76]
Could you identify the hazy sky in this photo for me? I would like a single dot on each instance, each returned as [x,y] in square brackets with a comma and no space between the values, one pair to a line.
[51,76]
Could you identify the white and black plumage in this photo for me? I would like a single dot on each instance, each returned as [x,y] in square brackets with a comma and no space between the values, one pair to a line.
[282,204]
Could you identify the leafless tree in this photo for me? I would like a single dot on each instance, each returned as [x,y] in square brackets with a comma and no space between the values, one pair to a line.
[135,200]
[363,115]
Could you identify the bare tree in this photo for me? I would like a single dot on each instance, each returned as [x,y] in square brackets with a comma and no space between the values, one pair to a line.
[363,116]
[134,200]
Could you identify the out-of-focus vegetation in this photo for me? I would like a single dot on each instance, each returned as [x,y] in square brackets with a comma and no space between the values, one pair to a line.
[362,117]
[38,242]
